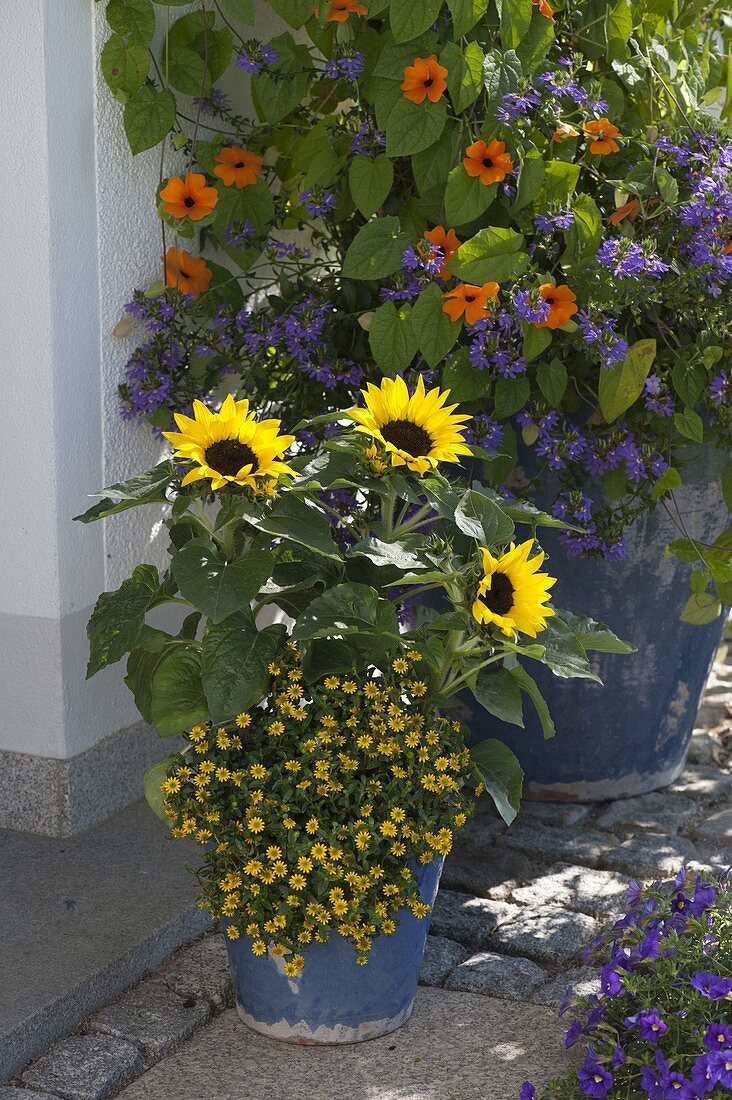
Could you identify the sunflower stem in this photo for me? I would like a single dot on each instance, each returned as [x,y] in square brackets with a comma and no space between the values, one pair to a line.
[387,513]
[454,685]
[415,522]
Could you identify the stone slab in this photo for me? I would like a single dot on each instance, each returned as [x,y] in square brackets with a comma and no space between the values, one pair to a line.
[151,1016]
[717,827]
[582,845]
[597,893]
[554,936]
[202,972]
[85,918]
[495,975]
[476,867]
[583,980]
[85,1067]
[650,855]
[441,956]
[657,812]
[456,1047]
[467,919]
[703,781]
[12,1092]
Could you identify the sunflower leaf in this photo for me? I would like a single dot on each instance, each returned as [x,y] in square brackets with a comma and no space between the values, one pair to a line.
[481,518]
[234,663]
[148,488]
[152,779]
[502,775]
[529,685]
[118,619]
[176,692]
[217,587]
[497,691]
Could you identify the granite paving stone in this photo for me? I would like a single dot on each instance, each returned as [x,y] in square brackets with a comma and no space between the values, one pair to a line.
[703,781]
[495,975]
[455,1047]
[467,919]
[84,1067]
[152,1016]
[597,893]
[479,868]
[441,956]
[704,748]
[202,972]
[569,845]
[583,980]
[649,855]
[548,935]
[658,812]
[718,827]
[554,813]
[12,1092]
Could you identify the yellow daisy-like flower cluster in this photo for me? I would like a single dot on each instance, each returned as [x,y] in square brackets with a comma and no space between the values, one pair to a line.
[317,808]
[231,447]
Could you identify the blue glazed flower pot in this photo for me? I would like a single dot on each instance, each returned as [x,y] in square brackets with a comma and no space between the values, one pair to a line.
[333,999]
[632,734]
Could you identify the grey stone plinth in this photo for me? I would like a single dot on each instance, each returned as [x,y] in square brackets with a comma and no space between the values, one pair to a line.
[585,846]
[153,1017]
[552,936]
[202,972]
[582,981]
[441,956]
[455,1047]
[649,855]
[467,919]
[657,812]
[85,1067]
[82,919]
[497,976]
[597,893]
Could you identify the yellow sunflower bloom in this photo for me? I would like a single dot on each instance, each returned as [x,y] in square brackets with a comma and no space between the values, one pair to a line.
[417,430]
[512,593]
[230,446]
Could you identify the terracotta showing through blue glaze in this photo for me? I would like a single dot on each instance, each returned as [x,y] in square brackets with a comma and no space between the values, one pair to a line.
[333,999]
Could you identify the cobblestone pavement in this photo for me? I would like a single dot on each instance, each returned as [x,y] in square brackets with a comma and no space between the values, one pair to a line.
[514,910]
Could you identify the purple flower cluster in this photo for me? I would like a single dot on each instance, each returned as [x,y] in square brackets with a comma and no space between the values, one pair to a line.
[237,234]
[720,389]
[317,202]
[485,432]
[657,397]
[349,66]
[423,257]
[214,104]
[530,306]
[652,954]
[515,105]
[368,140]
[627,259]
[599,331]
[565,85]
[495,344]
[255,56]
[707,214]
[560,219]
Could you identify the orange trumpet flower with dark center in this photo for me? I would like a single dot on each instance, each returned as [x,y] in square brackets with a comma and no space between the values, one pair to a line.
[340,10]
[564,132]
[190,274]
[602,133]
[490,163]
[425,79]
[236,167]
[189,197]
[469,301]
[629,210]
[561,301]
[727,248]
[447,240]
[545,9]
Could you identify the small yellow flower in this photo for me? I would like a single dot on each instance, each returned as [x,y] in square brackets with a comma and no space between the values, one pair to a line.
[256,825]
[258,771]
[349,687]
[170,786]
[243,721]
[400,665]
[297,882]
[276,729]
[233,932]
[311,826]
[294,965]
[332,683]
[259,947]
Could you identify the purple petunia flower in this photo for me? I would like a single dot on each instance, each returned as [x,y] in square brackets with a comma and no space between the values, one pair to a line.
[594,1080]
[649,1024]
[718,1037]
[712,986]
[610,981]
[720,1067]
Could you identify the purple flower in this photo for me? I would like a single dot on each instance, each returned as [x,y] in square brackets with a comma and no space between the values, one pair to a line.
[720,1067]
[528,1091]
[657,397]
[627,259]
[702,1077]
[718,1037]
[651,1083]
[676,1085]
[485,432]
[720,390]
[712,986]
[600,331]
[649,1024]
[424,256]
[215,103]
[236,234]
[610,981]
[515,105]
[574,1031]
[368,140]
[563,219]
[317,202]
[255,56]
[349,66]
[530,306]
[594,1079]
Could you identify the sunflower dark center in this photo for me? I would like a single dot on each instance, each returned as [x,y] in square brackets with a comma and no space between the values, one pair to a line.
[499,599]
[188,201]
[487,162]
[229,455]
[408,437]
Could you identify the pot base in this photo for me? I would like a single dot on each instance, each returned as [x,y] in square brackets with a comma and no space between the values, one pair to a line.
[301,1034]
[604,790]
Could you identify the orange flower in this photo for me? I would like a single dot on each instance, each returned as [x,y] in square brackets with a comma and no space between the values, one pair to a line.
[490,162]
[602,132]
[727,248]
[425,79]
[189,274]
[340,10]
[447,240]
[629,210]
[564,132]
[236,167]
[562,305]
[544,8]
[189,197]
[469,300]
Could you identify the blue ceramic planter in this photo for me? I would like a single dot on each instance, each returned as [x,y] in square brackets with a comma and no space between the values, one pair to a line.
[333,999]
[632,734]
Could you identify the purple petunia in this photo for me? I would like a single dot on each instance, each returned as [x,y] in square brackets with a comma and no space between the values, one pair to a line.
[649,1024]
[594,1080]
[712,986]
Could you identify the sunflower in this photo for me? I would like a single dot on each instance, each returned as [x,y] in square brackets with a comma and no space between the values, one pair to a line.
[189,274]
[417,430]
[424,79]
[562,304]
[602,133]
[512,593]
[448,241]
[230,446]
[189,197]
[236,167]
[489,163]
